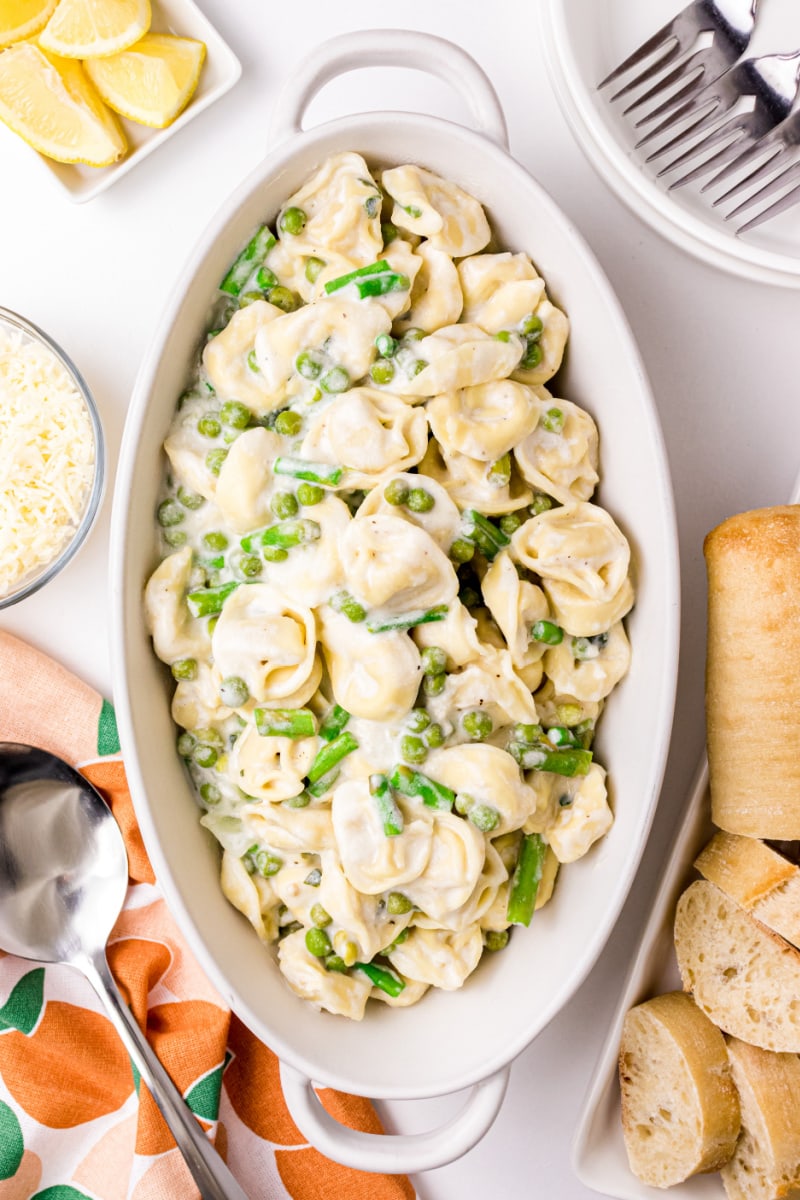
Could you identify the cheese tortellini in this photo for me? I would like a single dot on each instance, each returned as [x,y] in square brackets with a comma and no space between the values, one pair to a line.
[389,600]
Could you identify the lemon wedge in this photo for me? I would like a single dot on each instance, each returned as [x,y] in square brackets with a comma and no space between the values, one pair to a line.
[53,106]
[95,28]
[23,18]
[152,81]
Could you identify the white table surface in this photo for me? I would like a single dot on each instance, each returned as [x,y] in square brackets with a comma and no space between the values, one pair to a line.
[721,354]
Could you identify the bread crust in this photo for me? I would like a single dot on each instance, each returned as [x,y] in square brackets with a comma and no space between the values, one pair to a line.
[766,1162]
[753,672]
[680,1109]
[742,975]
[762,881]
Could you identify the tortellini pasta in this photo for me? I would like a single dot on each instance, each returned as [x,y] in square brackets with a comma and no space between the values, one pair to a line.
[391,614]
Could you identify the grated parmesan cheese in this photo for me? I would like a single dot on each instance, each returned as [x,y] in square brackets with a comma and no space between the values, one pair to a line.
[47,457]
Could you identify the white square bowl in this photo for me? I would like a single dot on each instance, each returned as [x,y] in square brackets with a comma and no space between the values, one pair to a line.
[221,69]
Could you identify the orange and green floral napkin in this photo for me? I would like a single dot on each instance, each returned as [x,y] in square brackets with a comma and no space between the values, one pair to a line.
[75,1124]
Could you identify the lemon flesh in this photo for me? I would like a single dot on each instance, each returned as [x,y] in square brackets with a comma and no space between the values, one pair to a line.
[53,106]
[95,28]
[23,18]
[152,81]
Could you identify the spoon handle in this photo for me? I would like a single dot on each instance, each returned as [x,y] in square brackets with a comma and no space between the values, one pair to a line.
[209,1172]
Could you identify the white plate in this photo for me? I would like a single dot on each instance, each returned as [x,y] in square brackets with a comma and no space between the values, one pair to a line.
[599,1157]
[584,40]
[220,72]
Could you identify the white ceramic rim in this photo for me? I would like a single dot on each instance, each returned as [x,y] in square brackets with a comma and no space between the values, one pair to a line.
[490,1077]
[645,198]
[94,496]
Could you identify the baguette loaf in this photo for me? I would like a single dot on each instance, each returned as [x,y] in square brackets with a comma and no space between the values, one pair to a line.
[766,1163]
[680,1109]
[757,878]
[753,672]
[744,977]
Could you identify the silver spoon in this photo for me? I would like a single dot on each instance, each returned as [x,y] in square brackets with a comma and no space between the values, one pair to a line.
[63,878]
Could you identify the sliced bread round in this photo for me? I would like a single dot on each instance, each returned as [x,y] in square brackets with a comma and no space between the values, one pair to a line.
[766,1162]
[757,878]
[680,1110]
[743,976]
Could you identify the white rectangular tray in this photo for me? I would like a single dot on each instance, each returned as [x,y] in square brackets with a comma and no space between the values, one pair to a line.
[598,1150]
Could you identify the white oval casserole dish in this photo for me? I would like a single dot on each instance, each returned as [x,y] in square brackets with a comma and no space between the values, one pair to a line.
[451,1040]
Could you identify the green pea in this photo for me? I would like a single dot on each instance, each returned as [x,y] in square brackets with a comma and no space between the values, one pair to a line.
[386,345]
[169,513]
[433,737]
[335,962]
[234,692]
[419,365]
[414,335]
[547,632]
[569,714]
[499,474]
[476,724]
[288,423]
[248,298]
[189,499]
[308,365]
[417,720]
[470,597]
[313,878]
[420,501]
[309,493]
[184,668]
[266,279]
[389,232]
[381,371]
[175,538]
[510,523]
[293,220]
[503,336]
[432,685]
[334,381]
[413,749]
[531,326]
[186,744]
[433,660]
[318,943]
[301,801]
[284,504]
[462,550]
[532,357]
[209,737]
[215,459]
[250,565]
[344,603]
[267,864]
[553,420]
[495,939]
[320,916]
[484,817]
[540,503]
[210,793]
[275,553]
[527,734]
[284,299]
[235,414]
[215,541]
[313,268]
[204,756]
[397,904]
[209,426]
[464,803]
[396,492]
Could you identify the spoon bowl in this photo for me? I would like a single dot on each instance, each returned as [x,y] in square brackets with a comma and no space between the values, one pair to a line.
[63,879]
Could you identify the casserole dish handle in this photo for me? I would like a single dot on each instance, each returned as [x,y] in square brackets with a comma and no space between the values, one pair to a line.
[394,1154]
[389,48]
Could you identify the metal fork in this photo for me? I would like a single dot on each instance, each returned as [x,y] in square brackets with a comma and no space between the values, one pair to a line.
[751,99]
[786,200]
[730,24]
[770,152]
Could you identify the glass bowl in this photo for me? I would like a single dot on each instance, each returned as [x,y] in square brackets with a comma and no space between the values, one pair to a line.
[12,323]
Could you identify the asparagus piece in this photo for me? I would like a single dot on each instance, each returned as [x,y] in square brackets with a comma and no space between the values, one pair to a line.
[408,620]
[293,532]
[387,981]
[414,783]
[376,268]
[525,880]
[331,755]
[390,814]
[325,474]
[488,538]
[379,285]
[208,602]
[253,254]
[543,757]
[285,722]
[333,723]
